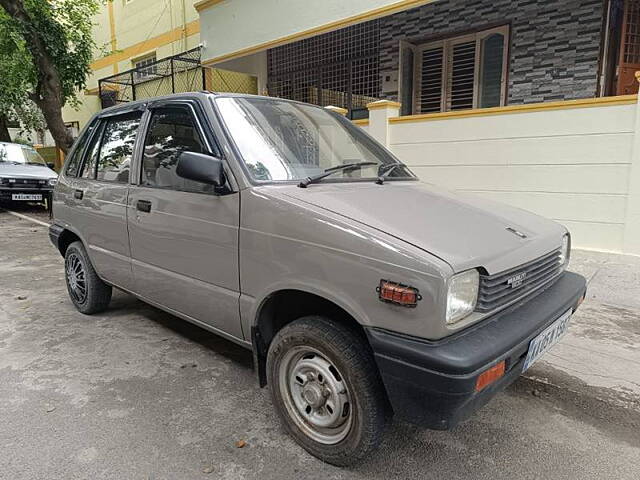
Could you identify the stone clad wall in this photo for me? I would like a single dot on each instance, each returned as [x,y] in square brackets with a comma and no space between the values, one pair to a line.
[555,44]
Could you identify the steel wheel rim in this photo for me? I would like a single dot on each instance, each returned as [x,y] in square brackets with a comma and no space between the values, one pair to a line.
[315,395]
[76,278]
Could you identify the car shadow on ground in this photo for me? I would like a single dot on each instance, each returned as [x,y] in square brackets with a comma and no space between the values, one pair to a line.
[36,211]
[123,302]
[402,440]
[422,447]
[25,207]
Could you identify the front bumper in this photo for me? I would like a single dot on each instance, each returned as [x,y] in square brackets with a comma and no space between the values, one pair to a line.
[433,383]
[6,194]
[54,234]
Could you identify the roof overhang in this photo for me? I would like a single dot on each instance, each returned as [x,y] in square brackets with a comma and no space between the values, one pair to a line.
[231,29]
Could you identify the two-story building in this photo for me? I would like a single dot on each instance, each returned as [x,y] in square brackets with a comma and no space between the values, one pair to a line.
[147,48]
[432,56]
[529,102]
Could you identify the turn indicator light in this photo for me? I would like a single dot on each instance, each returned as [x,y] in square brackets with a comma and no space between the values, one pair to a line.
[398,294]
[489,376]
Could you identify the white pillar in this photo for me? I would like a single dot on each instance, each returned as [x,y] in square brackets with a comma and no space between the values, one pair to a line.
[379,114]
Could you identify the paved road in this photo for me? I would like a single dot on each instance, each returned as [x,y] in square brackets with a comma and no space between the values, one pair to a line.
[137,394]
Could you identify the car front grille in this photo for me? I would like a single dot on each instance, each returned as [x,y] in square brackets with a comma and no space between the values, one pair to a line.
[503,288]
[22,183]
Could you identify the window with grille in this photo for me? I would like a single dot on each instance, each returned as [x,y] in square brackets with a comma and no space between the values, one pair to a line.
[338,68]
[629,49]
[460,73]
[146,67]
[631,33]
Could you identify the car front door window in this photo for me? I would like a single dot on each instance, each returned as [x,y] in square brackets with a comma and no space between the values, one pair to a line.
[172,130]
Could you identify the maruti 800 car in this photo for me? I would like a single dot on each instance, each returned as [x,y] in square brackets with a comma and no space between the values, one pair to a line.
[363,292]
[24,175]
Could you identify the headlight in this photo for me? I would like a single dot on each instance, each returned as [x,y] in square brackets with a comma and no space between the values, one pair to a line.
[565,250]
[462,295]
[53,181]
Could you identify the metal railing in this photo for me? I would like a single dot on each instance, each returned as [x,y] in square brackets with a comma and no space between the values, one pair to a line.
[175,74]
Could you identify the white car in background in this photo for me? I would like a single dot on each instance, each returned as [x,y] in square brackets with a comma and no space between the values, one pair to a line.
[24,175]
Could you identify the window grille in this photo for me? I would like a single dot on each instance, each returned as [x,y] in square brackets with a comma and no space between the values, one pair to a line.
[340,68]
[146,67]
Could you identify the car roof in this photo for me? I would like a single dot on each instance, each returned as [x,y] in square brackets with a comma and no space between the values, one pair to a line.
[174,96]
[139,104]
[19,144]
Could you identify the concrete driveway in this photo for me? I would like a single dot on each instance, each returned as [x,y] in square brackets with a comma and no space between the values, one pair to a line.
[136,393]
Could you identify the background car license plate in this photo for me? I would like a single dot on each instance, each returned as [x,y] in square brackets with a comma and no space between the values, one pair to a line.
[26,196]
[547,339]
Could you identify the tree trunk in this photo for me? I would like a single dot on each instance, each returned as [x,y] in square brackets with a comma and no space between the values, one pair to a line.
[4,128]
[48,95]
[51,109]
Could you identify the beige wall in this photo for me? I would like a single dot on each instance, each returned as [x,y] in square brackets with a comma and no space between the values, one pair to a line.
[254,65]
[230,27]
[571,162]
[130,30]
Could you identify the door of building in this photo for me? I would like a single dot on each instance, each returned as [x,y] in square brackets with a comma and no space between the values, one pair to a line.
[629,62]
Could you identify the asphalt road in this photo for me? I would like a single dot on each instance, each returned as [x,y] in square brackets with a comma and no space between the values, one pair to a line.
[136,393]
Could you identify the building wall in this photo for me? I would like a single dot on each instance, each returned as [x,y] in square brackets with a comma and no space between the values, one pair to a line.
[555,44]
[128,30]
[254,65]
[31,136]
[576,162]
[233,27]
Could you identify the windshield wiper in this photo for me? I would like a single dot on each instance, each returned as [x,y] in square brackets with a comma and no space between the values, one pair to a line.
[387,171]
[330,171]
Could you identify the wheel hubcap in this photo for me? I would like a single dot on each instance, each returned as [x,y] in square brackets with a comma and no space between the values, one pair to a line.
[316,395]
[76,278]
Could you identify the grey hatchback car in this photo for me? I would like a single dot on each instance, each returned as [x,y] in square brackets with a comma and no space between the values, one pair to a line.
[362,292]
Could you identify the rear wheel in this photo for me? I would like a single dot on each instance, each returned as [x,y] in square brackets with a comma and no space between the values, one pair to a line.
[87,291]
[327,390]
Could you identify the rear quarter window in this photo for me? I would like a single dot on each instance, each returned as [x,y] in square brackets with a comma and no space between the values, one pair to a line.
[116,150]
[73,164]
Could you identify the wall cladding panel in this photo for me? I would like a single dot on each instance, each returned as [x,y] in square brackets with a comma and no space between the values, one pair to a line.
[554,44]
[572,165]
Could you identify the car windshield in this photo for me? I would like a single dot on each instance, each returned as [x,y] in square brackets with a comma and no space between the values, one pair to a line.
[20,155]
[281,140]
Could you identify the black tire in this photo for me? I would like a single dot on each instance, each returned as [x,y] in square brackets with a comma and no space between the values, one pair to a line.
[97,294]
[350,355]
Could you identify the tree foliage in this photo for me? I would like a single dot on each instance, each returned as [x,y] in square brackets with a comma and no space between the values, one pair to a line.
[46,48]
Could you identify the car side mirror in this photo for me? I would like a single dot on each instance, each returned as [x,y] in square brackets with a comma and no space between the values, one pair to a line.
[201,167]
[51,165]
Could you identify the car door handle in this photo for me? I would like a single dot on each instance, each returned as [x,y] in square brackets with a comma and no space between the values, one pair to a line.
[143,205]
[78,194]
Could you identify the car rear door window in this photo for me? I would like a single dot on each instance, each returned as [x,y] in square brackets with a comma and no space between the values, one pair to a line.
[116,149]
[172,130]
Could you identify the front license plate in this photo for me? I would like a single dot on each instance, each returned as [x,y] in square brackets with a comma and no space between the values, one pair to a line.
[548,338]
[25,196]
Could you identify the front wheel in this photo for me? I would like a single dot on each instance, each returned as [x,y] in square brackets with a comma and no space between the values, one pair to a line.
[327,389]
[87,291]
